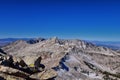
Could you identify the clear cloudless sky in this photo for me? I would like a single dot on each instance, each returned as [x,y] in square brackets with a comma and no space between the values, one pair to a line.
[83,19]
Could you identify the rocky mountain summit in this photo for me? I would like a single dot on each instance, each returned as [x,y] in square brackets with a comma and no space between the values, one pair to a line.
[58,59]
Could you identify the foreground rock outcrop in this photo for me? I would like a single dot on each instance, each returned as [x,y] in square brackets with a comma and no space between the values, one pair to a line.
[16,68]
[58,59]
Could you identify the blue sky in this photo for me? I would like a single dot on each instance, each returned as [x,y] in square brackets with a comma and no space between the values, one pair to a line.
[83,19]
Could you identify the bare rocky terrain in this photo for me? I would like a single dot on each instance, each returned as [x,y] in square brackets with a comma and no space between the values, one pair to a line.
[58,59]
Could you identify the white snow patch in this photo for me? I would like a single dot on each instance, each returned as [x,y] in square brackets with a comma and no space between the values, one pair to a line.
[72,59]
[93,75]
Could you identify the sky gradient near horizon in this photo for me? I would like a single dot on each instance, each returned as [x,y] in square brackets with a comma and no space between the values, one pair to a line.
[83,19]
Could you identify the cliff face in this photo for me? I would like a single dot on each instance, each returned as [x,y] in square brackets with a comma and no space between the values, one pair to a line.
[59,59]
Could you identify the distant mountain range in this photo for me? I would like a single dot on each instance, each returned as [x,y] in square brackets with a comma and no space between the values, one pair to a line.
[110,44]
[6,41]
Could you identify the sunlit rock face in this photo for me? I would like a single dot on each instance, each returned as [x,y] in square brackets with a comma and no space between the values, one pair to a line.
[58,59]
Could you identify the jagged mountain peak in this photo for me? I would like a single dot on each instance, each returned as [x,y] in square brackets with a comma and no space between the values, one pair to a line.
[41,43]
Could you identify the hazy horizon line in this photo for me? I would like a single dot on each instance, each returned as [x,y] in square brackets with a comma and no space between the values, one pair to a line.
[61,38]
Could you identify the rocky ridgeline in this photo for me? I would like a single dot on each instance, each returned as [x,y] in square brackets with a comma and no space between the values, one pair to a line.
[58,59]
